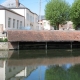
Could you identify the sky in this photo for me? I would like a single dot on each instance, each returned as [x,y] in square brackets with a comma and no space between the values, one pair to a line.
[34,6]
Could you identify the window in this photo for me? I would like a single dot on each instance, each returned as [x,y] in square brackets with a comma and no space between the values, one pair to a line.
[9,22]
[17,24]
[13,23]
[9,4]
[12,4]
[33,19]
[30,18]
[10,70]
[36,20]
[27,16]
[20,23]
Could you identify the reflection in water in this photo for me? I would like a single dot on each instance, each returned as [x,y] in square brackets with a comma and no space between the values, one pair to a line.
[38,74]
[53,64]
[14,72]
[23,54]
[57,72]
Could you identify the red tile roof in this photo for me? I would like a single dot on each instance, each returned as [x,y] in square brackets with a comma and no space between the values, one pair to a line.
[41,36]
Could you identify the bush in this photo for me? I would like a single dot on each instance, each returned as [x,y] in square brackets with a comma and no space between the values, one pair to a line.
[3,40]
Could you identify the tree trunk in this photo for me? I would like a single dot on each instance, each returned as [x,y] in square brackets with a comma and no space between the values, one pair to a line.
[57,26]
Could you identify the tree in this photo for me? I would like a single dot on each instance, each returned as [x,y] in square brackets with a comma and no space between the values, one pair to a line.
[75,13]
[57,11]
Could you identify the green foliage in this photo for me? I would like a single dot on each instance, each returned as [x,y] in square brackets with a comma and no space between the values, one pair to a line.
[57,11]
[59,73]
[55,73]
[3,40]
[75,13]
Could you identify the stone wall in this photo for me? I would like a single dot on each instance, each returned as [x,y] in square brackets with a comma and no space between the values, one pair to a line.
[3,45]
[8,45]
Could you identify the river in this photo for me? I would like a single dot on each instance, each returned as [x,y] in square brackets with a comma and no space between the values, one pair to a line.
[53,64]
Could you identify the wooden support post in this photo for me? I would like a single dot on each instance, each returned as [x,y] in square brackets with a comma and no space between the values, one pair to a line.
[46,46]
[71,45]
[18,45]
[71,48]
[18,49]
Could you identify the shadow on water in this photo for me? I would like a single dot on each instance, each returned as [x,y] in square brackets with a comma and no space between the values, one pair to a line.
[25,54]
[43,57]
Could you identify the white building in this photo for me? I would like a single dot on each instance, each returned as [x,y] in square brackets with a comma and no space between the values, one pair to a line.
[45,25]
[10,19]
[31,19]
[67,26]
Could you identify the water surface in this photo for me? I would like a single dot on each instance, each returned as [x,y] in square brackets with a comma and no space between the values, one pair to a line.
[55,64]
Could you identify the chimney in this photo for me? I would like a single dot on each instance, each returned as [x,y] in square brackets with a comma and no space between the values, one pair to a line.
[17,3]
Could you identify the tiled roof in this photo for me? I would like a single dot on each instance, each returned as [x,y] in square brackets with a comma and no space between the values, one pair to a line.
[1,7]
[41,36]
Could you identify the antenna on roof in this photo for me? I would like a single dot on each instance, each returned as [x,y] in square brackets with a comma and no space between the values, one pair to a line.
[39,13]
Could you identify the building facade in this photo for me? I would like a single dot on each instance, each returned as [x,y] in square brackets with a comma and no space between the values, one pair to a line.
[10,19]
[45,25]
[67,26]
[31,19]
